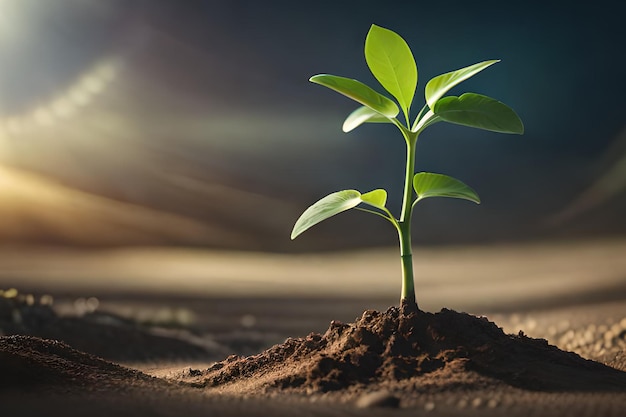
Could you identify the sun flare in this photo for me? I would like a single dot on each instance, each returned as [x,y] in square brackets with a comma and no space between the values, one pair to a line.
[65,105]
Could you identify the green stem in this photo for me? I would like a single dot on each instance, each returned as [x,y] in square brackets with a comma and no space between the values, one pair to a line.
[404,224]
[406,257]
[386,216]
[407,199]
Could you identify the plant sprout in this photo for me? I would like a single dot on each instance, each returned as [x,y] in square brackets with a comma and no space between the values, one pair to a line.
[391,61]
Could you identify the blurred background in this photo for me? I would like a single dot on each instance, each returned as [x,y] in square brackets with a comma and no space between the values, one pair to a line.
[155,154]
[192,123]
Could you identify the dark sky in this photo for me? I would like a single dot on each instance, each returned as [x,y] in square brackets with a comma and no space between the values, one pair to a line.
[561,69]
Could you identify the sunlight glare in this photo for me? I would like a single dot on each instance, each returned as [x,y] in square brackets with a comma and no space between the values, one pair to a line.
[78,95]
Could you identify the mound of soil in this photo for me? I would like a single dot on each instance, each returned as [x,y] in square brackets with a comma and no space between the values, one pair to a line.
[409,351]
[30,363]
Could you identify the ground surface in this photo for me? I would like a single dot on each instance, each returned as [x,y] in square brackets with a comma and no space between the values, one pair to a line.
[157,350]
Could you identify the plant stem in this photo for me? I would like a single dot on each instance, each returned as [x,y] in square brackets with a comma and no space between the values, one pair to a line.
[406,257]
[407,199]
[404,225]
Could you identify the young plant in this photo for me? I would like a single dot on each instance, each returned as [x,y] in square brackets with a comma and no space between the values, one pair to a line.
[391,61]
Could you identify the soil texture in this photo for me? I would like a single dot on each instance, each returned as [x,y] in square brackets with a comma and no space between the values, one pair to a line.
[32,364]
[410,351]
[400,361]
[104,334]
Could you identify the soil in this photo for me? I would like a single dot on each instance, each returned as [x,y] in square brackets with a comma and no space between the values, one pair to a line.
[406,351]
[446,363]
[102,334]
[32,364]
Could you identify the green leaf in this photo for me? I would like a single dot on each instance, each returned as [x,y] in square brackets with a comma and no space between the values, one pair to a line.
[376,198]
[328,206]
[482,112]
[359,92]
[428,184]
[390,59]
[441,84]
[363,115]
[336,203]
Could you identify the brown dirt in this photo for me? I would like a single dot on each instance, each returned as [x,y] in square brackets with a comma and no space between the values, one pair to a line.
[106,335]
[447,363]
[34,364]
[410,351]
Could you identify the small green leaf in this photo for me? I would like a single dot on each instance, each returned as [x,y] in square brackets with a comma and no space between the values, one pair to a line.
[391,61]
[359,92]
[376,198]
[363,115]
[482,112]
[441,84]
[336,203]
[428,184]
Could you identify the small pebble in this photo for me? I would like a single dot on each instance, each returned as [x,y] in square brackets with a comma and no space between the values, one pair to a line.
[429,406]
[91,304]
[476,402]
[378,399]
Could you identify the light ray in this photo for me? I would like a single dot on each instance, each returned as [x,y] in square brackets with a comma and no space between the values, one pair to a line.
[65,105]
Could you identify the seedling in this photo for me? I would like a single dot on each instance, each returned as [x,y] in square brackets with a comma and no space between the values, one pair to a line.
[391,61]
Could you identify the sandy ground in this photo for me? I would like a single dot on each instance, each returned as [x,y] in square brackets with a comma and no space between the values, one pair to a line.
[572,294]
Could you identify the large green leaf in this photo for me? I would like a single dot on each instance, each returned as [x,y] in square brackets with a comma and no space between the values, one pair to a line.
[359,92]
[441,84]
[390,59]
[482,112]
[336,203]
[363,115]
[428,184]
